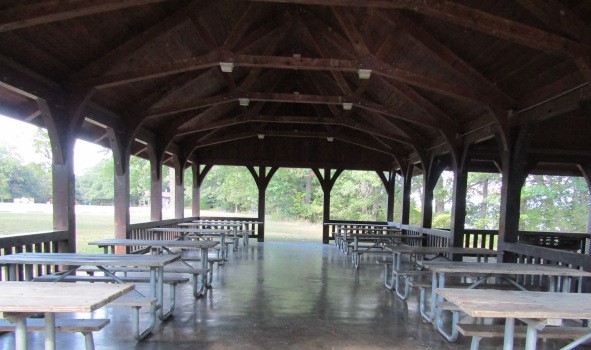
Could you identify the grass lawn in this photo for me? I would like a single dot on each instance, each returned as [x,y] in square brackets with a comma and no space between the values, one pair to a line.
[94,224]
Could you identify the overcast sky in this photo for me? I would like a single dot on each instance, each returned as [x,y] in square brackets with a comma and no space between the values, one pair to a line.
[19,135]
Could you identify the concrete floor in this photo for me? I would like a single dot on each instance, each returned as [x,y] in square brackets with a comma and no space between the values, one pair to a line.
[282,296]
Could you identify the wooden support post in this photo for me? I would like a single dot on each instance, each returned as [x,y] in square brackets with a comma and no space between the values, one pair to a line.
[327,183]
[389,183]
[198,177]
[179,187]
[120,145]
[262,179]
[459,197]
[406,187]
[586,172]
[62,138]
[431,173]
[155,153]
[515,170]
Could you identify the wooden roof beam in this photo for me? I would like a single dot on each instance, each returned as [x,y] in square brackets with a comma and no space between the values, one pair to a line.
[248,117]
[449,58]
[108,60]
[23,16]
[470,18]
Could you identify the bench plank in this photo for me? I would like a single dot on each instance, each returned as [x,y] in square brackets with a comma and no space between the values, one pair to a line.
[494,331]
[61,325]
[132,279]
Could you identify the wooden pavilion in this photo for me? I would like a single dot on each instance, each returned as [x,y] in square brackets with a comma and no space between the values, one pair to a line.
[394,86]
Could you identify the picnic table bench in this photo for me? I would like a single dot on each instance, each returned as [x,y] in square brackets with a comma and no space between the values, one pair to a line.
[481,272]
[19,300]
[394,271]
[161,246]
[538,310]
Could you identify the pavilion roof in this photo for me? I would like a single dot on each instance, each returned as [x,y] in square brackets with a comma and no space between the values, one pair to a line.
[279,82]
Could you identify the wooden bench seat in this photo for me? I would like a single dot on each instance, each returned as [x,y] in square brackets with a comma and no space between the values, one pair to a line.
[63,325]
[167,269]
[132,279]
[479,331]
[136,303]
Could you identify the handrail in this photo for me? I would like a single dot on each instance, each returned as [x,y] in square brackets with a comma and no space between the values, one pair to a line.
[38,242]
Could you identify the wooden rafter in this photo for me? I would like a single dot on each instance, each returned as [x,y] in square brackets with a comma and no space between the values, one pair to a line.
[467,17]
[449,58]
[24,16]
[104,63]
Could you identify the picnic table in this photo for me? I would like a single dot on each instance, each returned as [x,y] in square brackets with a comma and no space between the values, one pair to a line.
[343,229]
[19,300]
[536,309]
[164,246]
[482,271]
[199,233]
[155,263]
[378,241]
[419,254]
[217,225]
[228,223]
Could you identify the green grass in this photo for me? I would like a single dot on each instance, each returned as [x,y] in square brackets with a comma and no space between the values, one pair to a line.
[100,225]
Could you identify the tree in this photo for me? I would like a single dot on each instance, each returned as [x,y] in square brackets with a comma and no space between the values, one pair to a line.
[17,180]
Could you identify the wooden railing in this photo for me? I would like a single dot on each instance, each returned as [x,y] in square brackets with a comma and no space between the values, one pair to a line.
[560,240]
[530,254]
[249,223]
[42,242]
[140,230]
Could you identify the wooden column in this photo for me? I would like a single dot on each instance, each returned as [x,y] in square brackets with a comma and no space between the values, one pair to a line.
[327,183]
[515,169]
[120,145]
[198,177]
[459,197]
[62,139]
[156,153]
[406,187]
[179,186]
[431,173]
[586,172]
[389,183]
[262,179]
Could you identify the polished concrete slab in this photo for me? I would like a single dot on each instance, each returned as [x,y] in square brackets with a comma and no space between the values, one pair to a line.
[282,296]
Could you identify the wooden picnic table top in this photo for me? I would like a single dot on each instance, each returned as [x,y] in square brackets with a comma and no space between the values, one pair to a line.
[359,224]
[502,268]
[405,249]
[379,229]
[89,259]
[19,297]
[211,223]
[189,230]
[156,242]
[382,235]
[519,304]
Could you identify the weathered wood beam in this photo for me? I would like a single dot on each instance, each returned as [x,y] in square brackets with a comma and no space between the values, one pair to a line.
[564,103]
[25,82]
[559,18]
[470,18]
[108,60]
[194,105]
[380,67]
[348,24]
[28,15]
[293,98]
[338,76]
[449,58]
[343,122]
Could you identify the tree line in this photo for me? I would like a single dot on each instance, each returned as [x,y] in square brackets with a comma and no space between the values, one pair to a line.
[549,203]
